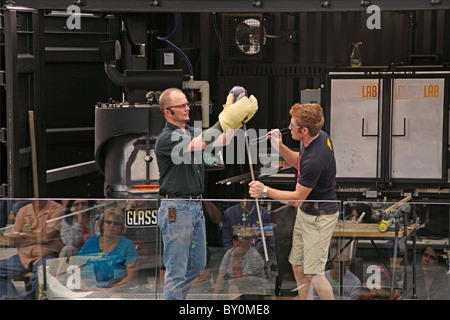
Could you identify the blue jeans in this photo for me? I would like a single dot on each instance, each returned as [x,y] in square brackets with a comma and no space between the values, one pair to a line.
[12,267]
[184,246]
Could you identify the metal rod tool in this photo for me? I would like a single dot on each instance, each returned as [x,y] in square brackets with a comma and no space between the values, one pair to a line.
[256,200]
[256,140]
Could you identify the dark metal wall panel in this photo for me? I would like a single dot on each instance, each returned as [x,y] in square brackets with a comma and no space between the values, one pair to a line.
[74,82]
[326,38]
[321,38]
[431,28]
[23,72]
[3,118]
[231,5]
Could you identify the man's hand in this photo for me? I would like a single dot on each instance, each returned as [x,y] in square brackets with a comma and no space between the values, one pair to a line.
[256,189]
[275,139]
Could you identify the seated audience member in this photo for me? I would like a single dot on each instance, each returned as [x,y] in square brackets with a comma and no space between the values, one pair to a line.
[241,270]
[19,204]
[243,214]
[36,240]
[351,289]
[358,210]
[432,282]
[77,228]
[109,259]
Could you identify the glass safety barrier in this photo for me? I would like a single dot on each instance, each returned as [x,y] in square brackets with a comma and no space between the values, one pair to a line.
[236,249]
[395,250]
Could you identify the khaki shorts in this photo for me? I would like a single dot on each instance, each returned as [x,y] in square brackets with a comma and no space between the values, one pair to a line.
[311,241]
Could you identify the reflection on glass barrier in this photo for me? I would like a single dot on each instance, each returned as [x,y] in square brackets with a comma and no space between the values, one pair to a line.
[78,248]
[386,245]
[109,260]
[117,248]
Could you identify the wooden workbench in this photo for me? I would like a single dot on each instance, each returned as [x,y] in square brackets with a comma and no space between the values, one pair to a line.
[348,229]
[4,241]
[354,231]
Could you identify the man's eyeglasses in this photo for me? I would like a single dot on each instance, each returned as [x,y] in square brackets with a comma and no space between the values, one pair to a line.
[181,106]
[291,126]
[114,223]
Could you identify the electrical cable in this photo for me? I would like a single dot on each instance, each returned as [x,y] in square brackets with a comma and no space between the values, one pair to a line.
[169,43]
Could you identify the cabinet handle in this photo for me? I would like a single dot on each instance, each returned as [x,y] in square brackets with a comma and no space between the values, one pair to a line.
[366,135]
[404,130]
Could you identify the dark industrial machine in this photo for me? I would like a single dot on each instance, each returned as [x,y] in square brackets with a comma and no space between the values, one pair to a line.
[126,131]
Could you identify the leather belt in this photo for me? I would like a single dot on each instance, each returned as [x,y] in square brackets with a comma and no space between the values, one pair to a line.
[173,196]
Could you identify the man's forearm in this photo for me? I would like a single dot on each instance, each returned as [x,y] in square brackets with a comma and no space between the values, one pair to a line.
[206,137]
[22,239]
[293,198]
[288,155]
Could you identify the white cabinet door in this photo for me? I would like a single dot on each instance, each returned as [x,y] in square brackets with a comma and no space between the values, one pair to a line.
[416,128]
[355,117]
